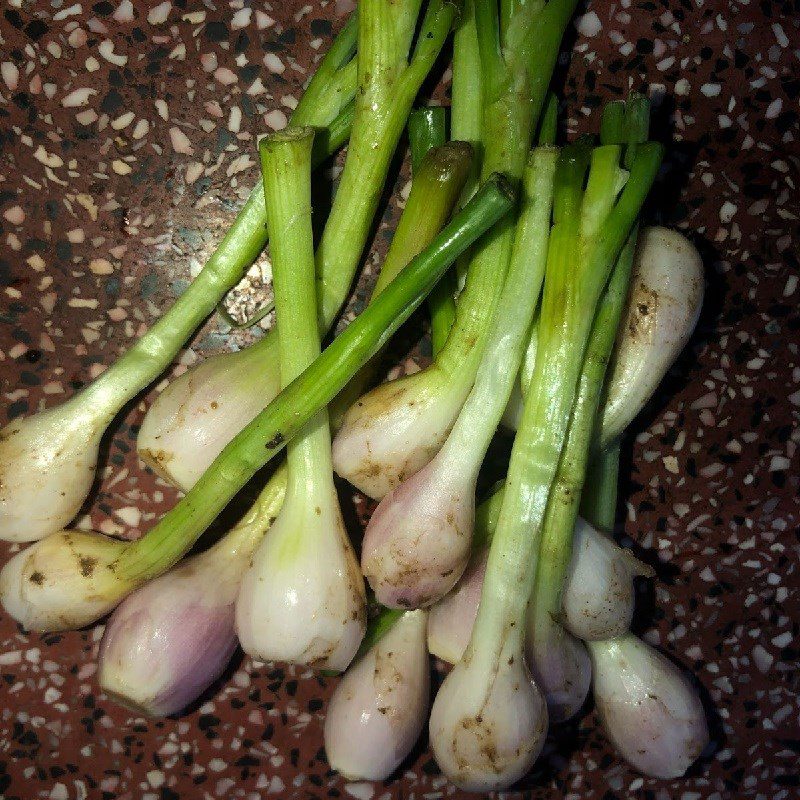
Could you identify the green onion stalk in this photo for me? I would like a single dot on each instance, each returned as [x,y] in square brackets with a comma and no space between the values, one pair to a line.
[395,429]
[419,539]
[171,639]
[427,127]
[48,461]
[647,706]
[302,597]
[72,578]
[201,411]
[558,660]
[475,742]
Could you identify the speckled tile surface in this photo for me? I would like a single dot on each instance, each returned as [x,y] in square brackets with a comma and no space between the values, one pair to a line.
[127,136]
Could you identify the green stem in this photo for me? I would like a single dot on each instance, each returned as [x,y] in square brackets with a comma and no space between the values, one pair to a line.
[427,128]
[337,73]
[388,85]
[476,424]
[612,123]
[487,26]
[466,108]
[562,507]
[548,125]
[543,44]
[335,81]
[311,391]
[599,496]
[286,169]
[466,120]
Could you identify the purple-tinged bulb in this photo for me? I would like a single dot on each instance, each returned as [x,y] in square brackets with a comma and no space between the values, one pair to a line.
[418,541]
[396,429]
[648,707]
[380,706]
[598,597]
[560,666]
[172,638]
[450,621]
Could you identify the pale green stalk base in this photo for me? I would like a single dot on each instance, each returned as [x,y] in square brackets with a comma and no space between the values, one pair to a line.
[286,169]
[476,424]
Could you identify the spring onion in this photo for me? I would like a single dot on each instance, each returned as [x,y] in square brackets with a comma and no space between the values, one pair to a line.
[648,707]
[661,313]
[558,661]
[598,598]
[302,597]
[380,706]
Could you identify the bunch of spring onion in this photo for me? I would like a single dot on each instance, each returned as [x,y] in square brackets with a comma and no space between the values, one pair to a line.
[387,83]
[529,602]
[72,578]
[665,743]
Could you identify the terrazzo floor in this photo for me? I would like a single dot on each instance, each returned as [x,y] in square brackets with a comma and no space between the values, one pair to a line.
[127,135]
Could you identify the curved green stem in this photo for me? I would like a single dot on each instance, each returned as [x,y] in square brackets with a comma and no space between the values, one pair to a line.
[477,421]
